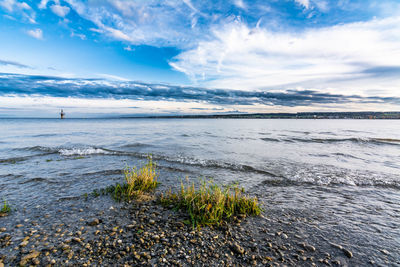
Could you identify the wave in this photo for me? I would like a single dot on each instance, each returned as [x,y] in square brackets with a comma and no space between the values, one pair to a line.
[15,160]
[133,145]
[313,179]
[105,172]
[43,135]
[38,180]
[65,151]
[357,140]
[270,139]
[83,151]
[213,164]
[37,149]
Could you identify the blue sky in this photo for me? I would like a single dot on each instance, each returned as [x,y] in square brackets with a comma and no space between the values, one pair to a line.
[101,58]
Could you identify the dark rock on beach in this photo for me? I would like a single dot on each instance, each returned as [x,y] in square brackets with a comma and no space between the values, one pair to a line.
[147,234]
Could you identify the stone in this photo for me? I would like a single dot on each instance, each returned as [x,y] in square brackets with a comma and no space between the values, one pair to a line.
[347,253]
[308,247]
[94,222]
[237,248]
[34,254]
[336,246]
[384,251]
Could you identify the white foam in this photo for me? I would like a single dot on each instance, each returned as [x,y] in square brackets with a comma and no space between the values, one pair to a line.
[82,151]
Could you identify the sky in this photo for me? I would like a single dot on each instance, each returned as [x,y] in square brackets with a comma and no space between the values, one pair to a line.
[145,57]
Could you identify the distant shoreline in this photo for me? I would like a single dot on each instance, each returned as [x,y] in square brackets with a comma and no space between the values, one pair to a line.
[299,115]
[367,115]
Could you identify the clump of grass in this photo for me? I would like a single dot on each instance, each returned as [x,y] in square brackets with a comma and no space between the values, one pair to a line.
[6,208]
[211,204]
[137,182]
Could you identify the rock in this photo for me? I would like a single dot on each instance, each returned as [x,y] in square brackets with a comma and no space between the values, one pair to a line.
[24,243]
[19,225]
[347,253]
[34,254]
[77,239]
[3,229]
[151,221]
[94,222]
[336,246]
[384,251]
[237,248]
[308,247]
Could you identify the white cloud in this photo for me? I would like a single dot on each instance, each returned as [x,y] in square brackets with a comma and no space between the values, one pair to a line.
[59,10]
[36,33]
[12,5]
[142,22]
[45,106]
[240,4]
[21,8]
[8,4]
[322,5]
[43,4]
[80,35]
[112,77]
[339,57]
[117,34]
[304,3]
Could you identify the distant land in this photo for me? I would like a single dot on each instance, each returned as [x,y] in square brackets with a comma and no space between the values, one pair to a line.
[299,115]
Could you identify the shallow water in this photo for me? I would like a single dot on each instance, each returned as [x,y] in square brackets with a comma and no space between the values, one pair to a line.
[343,176]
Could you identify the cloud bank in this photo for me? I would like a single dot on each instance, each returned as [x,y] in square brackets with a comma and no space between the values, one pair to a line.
[24,85]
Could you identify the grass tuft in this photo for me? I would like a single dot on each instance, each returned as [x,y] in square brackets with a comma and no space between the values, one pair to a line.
[137,182]
[211,204]
[6,208]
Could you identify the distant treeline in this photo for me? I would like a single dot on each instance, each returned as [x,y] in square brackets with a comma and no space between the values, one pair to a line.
[299,115]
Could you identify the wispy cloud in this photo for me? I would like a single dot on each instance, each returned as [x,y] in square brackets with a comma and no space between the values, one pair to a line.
[13,63]
[337,57]
[21,8]
[36,33]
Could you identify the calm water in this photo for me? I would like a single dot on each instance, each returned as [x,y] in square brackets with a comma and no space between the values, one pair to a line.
[344,174]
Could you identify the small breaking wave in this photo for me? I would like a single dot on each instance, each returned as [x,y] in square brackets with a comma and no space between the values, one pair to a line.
[83,151]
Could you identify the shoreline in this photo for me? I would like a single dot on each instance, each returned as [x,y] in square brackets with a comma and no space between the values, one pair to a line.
[146,234]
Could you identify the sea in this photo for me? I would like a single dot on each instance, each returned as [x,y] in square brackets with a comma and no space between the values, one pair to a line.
[343,175]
